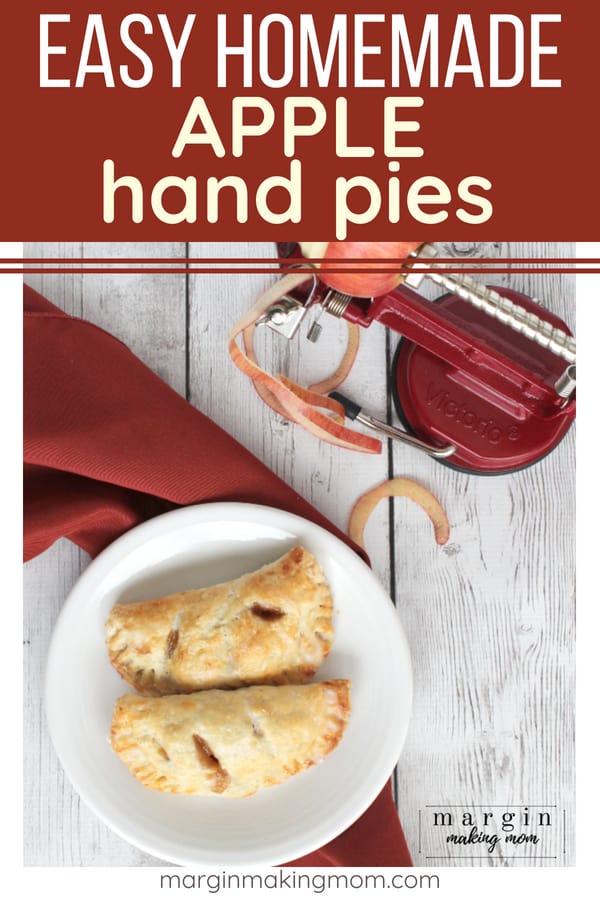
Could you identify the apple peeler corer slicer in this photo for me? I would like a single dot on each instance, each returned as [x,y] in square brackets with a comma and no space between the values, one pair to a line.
[483,378]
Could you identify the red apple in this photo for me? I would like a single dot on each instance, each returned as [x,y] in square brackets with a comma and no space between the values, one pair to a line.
[371,281]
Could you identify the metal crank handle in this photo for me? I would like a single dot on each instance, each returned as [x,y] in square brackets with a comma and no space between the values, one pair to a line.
[354,412]
[491,302]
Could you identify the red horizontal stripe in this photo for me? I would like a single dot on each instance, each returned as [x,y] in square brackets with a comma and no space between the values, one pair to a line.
[263,271]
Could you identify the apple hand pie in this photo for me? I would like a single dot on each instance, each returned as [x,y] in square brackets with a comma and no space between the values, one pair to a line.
[273,626]
[229,742]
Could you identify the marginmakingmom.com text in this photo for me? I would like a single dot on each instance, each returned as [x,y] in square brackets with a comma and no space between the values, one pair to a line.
[318,883]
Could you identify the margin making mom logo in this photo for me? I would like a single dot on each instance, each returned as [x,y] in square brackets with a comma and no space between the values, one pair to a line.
[479,832]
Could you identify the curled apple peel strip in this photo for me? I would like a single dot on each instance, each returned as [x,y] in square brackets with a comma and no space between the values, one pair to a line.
[299,405]
[328,384]
[398,487]
[265,395]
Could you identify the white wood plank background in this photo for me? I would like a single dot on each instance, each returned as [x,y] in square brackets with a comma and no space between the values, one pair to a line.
[490,618]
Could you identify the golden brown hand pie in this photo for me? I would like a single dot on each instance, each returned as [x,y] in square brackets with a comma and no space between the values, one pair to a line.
[273,626]
[229,742]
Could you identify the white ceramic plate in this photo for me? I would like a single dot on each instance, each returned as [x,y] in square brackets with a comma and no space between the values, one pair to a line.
[195,547]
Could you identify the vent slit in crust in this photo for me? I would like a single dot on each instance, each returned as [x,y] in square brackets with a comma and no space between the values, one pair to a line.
[162,752]
[268,613]
[172,641]
[209,761]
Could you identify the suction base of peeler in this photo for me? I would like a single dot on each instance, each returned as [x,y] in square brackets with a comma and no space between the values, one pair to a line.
[492,434]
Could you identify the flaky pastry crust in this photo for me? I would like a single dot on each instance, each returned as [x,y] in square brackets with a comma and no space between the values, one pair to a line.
[273,626]
[229,743]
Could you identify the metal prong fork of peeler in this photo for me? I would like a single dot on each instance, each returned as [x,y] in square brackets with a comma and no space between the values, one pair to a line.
[355,412]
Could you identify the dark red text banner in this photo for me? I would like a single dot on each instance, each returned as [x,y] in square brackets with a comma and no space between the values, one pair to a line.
[385,121]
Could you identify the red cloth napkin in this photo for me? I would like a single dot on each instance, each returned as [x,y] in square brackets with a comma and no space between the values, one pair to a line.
[107,444]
